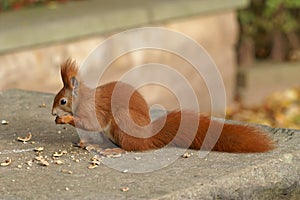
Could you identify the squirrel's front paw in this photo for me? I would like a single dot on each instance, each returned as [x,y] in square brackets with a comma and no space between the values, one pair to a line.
[64,119]
[59,120]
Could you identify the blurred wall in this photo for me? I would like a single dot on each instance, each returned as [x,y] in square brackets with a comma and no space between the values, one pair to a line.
[38,68]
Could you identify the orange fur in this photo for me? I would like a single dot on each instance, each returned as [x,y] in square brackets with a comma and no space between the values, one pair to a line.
[68,69]
[233,138]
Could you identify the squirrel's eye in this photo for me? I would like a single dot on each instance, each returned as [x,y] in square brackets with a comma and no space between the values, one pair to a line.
[63,101]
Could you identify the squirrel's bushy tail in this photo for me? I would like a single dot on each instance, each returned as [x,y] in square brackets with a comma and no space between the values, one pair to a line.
[233,138]
[243,139]
[178,131]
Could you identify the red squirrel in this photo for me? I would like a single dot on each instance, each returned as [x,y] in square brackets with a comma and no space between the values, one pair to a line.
[74,105]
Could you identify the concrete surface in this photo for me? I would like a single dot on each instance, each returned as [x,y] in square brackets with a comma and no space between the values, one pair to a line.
[274,175]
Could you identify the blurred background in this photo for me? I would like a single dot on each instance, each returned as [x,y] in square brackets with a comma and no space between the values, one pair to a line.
[254,43]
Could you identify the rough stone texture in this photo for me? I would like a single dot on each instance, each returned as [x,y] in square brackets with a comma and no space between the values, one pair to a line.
[273,175]
[38,68]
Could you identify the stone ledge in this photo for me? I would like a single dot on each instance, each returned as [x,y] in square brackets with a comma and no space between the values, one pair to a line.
[273,175]
[30,27]
[257,82]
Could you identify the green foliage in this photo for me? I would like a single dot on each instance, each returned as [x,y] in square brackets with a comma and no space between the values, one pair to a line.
[268,15]
[273,27]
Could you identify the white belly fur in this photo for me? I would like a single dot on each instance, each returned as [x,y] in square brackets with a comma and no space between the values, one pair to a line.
[107,133]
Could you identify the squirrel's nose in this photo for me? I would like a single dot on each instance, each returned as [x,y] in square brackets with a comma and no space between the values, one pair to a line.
[54,113]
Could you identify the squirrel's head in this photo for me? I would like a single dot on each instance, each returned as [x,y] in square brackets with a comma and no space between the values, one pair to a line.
[62,104]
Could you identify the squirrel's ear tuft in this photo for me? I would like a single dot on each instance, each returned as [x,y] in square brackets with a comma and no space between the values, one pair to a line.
[69,71]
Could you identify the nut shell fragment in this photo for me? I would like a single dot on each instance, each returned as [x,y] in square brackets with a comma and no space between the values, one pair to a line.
[42,105]
[58,162]
[95,162]
[4,122]
[186,155]
[26,139]
[66,171]
[137,158]
[38,158]
[44,162]
[29,163]
[125,189]
[7,162]
[92,166]
[59,153]
[39,149]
